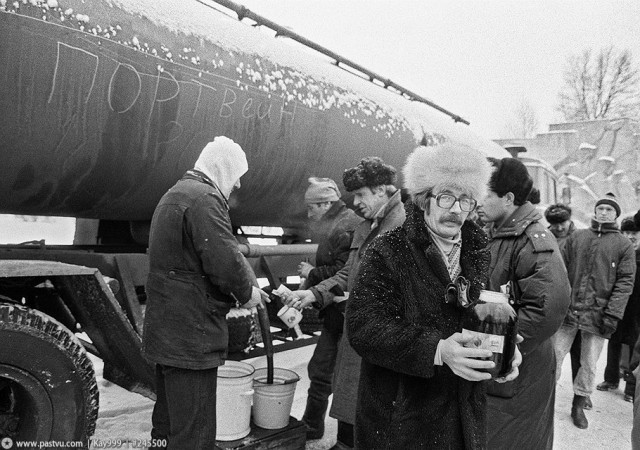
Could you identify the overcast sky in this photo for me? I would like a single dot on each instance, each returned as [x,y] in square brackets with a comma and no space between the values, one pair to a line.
[476,58]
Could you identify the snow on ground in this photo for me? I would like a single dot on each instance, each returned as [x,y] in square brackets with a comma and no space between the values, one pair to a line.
[127,416]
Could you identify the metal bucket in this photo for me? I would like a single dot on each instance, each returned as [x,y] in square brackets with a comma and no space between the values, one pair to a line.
[233,405]
[272,402]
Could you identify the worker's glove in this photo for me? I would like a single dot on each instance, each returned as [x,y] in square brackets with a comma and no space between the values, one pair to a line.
[609,325]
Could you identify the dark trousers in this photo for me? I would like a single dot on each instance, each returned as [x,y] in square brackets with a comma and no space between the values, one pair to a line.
[320,369]
[575,355]
[185,409]
[612,371]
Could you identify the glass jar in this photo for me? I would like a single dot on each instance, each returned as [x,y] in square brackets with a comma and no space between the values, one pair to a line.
[491,324]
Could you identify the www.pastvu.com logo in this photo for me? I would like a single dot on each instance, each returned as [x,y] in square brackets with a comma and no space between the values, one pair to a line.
[6,443]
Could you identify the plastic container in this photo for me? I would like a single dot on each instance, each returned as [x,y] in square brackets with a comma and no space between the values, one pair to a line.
[234,395]
[492,323]
[272,402]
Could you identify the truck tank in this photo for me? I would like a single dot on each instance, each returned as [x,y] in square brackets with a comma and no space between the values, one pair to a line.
[104,105]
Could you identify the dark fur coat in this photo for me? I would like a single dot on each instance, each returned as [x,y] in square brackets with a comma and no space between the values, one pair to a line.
[396,316]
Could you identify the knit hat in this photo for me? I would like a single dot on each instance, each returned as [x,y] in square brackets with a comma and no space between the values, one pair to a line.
[371,172]
[609,199]
[557,213]
[322,190]
[447,164]
[224,162]
[629,224]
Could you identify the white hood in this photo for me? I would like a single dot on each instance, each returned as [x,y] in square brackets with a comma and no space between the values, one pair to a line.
[224,162]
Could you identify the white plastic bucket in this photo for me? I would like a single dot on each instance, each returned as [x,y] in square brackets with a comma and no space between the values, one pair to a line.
[272,402]
[233,405]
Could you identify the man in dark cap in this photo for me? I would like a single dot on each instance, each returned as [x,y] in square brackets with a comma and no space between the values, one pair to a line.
[372,183]
[628,328]
[560,223]
[332,227]
[525,261]
[601,264]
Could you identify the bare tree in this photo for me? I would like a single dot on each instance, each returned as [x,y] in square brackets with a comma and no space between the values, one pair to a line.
[600,86]
[524,123]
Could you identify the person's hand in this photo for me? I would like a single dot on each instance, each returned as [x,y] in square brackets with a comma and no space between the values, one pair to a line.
[298,299]
[609,325]
[304,268]
[464,361]
[515,363]
[258,299]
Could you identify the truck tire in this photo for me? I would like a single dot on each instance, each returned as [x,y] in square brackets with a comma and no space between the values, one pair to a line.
[48,389]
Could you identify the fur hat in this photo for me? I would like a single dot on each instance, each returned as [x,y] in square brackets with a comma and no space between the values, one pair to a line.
[557,213]
[449,164]
[322,190]
[371,172]
[629,224]
[511,175]
[609,199]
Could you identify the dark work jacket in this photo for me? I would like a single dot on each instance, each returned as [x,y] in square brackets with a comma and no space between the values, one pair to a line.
[525,252]
[601,264]
[396,315]
[334,233]
[629,327]
[195,271]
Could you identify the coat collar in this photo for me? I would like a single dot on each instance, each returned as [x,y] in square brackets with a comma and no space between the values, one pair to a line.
[604,227]
[194,174]
[517,223]
[474,257]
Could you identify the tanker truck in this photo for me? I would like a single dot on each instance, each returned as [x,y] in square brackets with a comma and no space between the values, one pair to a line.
[104,104]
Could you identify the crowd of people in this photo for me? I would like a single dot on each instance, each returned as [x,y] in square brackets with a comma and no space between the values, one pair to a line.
[391,351]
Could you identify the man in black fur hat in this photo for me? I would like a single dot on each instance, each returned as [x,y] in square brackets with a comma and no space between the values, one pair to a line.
[601,263]
[560,223]
[372,183]
[525,259]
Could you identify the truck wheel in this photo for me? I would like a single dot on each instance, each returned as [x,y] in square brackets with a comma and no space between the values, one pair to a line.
[48,389]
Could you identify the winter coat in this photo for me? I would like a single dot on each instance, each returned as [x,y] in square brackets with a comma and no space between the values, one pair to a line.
[629,327]
[527,254]
[396,317]
[196,274]
[601,264]
[347,371]
[334,233]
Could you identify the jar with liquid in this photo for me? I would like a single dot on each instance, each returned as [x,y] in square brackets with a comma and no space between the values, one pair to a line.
[492,324]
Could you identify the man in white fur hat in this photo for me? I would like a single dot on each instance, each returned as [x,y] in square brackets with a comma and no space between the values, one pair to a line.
[196,275]
[419,383]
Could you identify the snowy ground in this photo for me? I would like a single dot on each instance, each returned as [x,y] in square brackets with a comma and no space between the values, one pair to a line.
[127,416]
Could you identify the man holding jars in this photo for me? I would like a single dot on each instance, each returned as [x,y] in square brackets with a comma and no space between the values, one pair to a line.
[419,383]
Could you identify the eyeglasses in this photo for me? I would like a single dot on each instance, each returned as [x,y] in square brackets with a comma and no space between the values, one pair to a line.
[446,201]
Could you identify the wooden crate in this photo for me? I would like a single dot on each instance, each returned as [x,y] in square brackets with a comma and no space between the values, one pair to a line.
[292,437]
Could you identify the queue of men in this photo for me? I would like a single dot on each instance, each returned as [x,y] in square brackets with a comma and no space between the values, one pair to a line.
[390,351]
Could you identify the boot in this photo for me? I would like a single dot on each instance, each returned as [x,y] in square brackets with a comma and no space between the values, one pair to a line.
[607,386]
[313,417]
[577,412]
[587,403]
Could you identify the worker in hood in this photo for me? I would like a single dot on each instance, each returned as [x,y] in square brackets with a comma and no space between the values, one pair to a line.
[196,275]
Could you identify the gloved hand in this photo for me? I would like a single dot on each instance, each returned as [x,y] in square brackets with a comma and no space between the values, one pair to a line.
[609,325]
